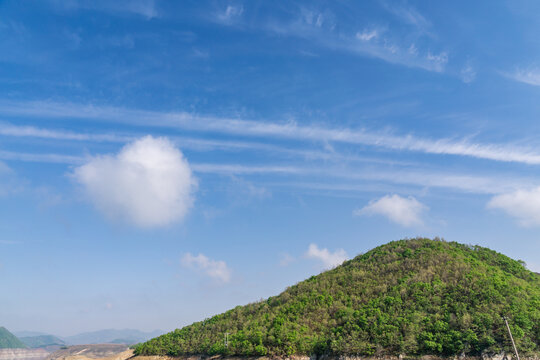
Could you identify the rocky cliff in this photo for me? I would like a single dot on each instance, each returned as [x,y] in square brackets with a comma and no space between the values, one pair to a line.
[23,354]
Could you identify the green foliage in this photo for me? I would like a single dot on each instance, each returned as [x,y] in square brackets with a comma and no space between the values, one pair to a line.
[412,297]
[9,341]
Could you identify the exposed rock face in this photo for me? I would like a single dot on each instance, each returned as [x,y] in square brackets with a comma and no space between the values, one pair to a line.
[97,351]
[23,354]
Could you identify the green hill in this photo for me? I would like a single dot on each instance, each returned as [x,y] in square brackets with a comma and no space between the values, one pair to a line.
[410,297]
[41,341]
[9,341]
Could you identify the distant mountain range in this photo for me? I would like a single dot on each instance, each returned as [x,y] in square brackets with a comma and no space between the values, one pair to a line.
[112,336]
[34,339]
[41,341]
[21,334]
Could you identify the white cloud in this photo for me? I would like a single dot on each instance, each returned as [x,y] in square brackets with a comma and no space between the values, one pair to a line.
[9,242]
[367,35]
[31,131]
[329,259]
[529,76]
[288,130]
[408,15]
[524,205]
[146,8]
[393,48]
[215,269]
[148,183]
[403,211]
[461,182]
[286,259]
[10,183]
[468,74]
[4,169]
[43,158]
[311,17]
[437,60]
[230,14]
[245,169]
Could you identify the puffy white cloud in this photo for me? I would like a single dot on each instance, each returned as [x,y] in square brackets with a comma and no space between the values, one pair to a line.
[403,211]
[521,204]
[148,183]
[329,259]
[215,269]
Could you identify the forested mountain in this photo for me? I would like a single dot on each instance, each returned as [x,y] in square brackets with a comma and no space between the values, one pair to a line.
[9,341]
[412,297]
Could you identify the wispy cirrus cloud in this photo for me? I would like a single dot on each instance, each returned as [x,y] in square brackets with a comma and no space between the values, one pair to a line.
[4,169]
[468,73]
[284,130]
[145,8]
[9,181]
[408,15]
[230,14]
[192,143]
[415,177]
[32,131]
[42,158]
[240,169]
[530,75]
[385,45]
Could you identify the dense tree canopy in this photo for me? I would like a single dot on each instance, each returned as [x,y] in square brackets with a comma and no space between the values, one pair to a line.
[413,297]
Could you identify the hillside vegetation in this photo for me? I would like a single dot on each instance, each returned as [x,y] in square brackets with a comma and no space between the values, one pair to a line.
[411,297]
[9,341]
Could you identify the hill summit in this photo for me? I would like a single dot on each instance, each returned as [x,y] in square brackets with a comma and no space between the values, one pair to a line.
[9,341]
[412,297]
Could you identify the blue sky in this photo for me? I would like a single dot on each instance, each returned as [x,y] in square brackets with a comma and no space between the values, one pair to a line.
[161,162]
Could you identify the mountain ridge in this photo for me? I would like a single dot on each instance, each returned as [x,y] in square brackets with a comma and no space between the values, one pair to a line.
[130,336]
[41,341]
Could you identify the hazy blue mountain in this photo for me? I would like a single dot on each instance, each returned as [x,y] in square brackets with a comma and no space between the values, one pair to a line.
[25,333]
[41,341]
[128,336]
